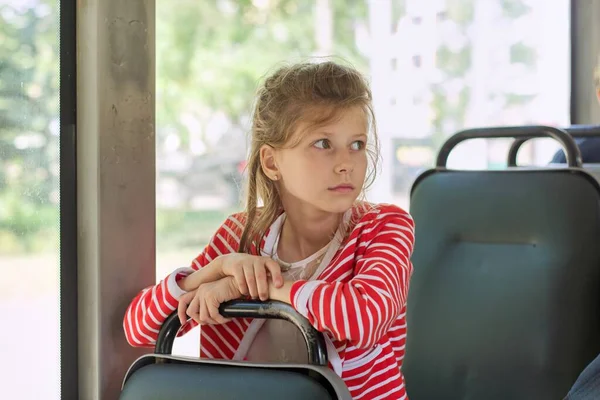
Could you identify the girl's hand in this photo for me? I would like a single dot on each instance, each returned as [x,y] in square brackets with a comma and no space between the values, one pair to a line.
[251,273]
[202,305]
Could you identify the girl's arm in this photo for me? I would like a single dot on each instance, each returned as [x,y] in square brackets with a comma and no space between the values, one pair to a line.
[281,294]
[363,309]
[151,307]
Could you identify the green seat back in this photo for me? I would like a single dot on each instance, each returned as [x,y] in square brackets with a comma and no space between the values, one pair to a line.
[504,301]
[179,378]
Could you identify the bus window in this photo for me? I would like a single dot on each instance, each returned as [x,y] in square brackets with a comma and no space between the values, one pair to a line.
[29,199]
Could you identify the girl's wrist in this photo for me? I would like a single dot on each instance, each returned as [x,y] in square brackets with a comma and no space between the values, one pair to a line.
[281,294]
[209,273]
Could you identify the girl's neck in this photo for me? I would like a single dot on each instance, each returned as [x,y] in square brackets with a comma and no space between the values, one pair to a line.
[304,234]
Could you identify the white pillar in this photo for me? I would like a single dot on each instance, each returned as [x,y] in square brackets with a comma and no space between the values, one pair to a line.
[380,21]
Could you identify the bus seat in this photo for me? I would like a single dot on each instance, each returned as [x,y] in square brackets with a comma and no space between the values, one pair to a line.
[161,376]
[593,170]
[587,138]
[505,295]
[578,132]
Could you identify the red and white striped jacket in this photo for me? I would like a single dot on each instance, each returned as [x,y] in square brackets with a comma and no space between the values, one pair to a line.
[358,301]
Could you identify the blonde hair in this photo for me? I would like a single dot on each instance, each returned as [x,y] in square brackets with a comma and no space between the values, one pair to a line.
[286,98]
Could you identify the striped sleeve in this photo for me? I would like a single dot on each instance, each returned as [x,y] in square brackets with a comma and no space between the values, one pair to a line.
[362,309]
[151,307]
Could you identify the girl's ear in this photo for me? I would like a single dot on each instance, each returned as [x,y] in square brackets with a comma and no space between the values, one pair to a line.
[268,163]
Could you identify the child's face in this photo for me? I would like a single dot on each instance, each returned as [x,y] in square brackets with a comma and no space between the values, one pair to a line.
[327,168]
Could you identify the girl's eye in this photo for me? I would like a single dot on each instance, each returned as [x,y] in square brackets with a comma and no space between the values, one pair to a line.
[358,145]
[322,144]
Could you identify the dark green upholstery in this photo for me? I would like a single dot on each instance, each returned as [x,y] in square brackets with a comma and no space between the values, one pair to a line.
[181,378]
[505,297]
[166,381]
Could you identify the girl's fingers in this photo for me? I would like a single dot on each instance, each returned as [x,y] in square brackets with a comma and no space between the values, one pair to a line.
[204,317]
[251,280]
[275,271]
[182,307]
[213,311]
[261,279]
[240,280]
[193,310]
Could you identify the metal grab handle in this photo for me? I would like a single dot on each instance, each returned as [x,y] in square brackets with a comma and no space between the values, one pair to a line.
[517,132]
[576,131]
[315,342]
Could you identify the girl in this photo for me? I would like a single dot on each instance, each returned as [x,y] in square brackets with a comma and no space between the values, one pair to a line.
[342,263]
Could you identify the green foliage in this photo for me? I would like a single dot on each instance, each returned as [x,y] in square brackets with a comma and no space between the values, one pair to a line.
[24,224]
[514,8]
[461,11]
[346,14]
[521,53]
[29,101]
[447,111]
[454,64]
[513,99]
[211,55]
[398,9]
[186,228]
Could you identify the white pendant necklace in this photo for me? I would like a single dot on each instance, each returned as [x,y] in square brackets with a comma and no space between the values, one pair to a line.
[285,266]
[316,258]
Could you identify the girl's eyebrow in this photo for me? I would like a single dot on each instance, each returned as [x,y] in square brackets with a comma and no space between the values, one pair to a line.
[329,134]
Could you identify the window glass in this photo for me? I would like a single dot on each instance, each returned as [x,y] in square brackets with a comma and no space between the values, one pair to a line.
[29,199]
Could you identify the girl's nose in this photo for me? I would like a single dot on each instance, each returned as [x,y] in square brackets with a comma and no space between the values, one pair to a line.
[344,165]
